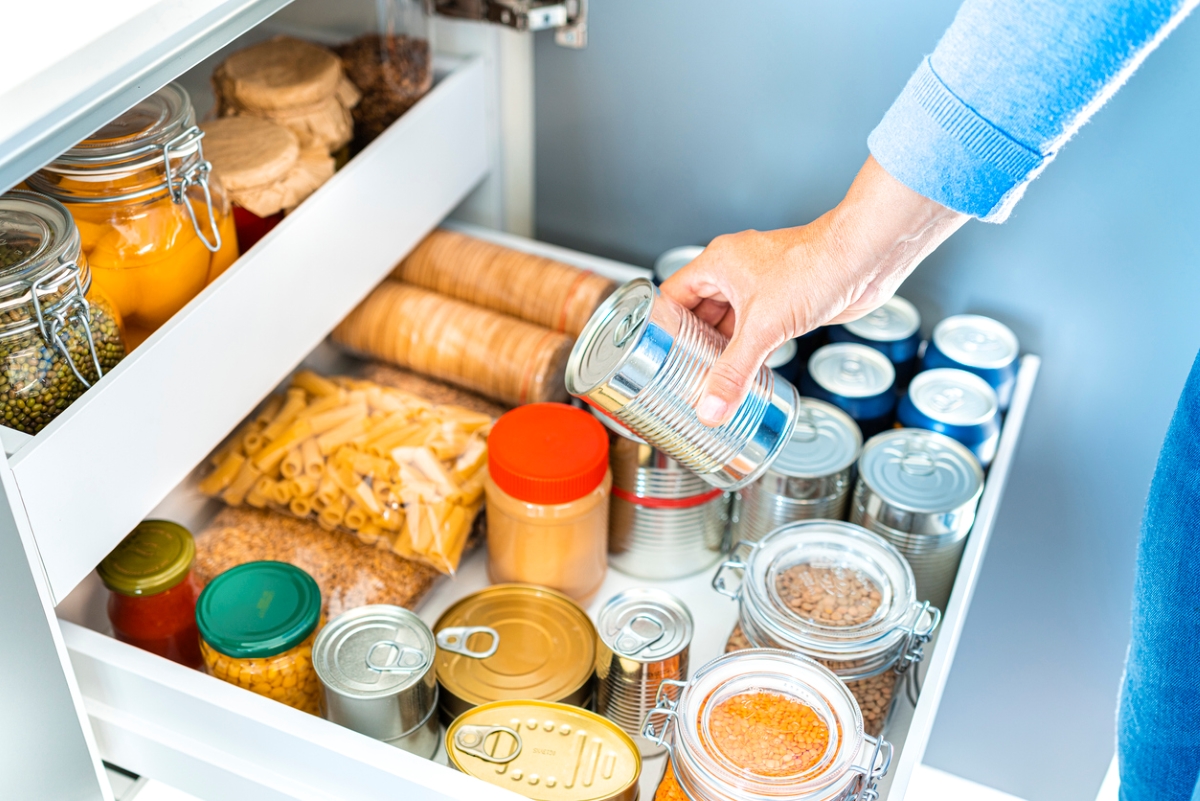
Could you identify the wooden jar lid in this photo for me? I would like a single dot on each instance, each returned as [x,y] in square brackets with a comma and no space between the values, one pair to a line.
[249,152]
[280,73]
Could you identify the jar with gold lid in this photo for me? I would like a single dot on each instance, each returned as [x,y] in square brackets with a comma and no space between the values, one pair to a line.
[153,220]
[58,333]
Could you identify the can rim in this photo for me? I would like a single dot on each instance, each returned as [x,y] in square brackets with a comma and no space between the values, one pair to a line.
[587,337]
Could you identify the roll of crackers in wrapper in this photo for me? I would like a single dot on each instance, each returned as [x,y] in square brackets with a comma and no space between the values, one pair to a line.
[535,289]
[496,355]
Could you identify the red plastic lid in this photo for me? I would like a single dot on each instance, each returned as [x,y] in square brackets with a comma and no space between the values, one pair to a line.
[547,453]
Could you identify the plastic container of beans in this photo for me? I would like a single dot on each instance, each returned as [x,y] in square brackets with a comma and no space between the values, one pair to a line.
[765,724]
[257,623]
[839,594]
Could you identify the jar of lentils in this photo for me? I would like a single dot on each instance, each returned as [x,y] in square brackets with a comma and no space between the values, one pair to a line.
[257,624]
[58,333]
[839,594]
[765,724]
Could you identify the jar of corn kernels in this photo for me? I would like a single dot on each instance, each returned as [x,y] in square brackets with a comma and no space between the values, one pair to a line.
[764,723]
[257,623]
[841,595]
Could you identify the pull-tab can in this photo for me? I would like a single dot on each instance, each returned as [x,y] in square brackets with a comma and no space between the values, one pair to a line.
[644,638]
[376,669]
[643,360]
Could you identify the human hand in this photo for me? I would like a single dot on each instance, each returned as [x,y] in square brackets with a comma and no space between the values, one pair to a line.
[761,288]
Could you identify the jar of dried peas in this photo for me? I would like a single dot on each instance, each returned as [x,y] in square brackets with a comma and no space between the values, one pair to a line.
[155,223]
[58,333]
[257,624]
[841,595]
[765,724]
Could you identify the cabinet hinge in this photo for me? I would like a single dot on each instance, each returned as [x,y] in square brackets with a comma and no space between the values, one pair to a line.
[568,18]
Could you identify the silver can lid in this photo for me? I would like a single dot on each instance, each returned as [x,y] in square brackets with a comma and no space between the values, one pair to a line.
[782,355]
[373,651]
[953,397]
[645,625]
[610,336]
[825,441]
[893,321]
[674,260]
[920,471]
[852,370]
[976,341]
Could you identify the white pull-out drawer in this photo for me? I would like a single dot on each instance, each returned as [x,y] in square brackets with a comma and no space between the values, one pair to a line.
[100,467]
[220,742]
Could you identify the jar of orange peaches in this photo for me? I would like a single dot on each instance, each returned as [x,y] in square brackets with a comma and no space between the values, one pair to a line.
[765,724]
[156,226]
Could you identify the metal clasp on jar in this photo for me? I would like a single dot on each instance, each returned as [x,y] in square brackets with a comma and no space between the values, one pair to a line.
[666,707]
[733,563]
[196,175]
[871,773]
[454,639]
[51,322]
[914,648]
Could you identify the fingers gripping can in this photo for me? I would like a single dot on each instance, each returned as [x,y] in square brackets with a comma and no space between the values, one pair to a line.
[643,360]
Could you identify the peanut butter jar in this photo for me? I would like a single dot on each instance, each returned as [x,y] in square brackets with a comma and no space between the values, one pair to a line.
[547,499]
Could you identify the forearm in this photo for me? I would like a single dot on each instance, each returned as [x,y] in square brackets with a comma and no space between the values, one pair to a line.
[1008,84]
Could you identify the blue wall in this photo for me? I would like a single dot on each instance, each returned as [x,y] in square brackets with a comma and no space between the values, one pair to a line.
[685,119]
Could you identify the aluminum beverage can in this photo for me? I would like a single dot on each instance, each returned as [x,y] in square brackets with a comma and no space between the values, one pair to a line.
[893,329]
[956,403]
[857,379]
[979,345]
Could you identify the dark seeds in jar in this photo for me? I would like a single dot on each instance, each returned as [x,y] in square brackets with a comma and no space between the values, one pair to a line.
[835,597]
[36,382]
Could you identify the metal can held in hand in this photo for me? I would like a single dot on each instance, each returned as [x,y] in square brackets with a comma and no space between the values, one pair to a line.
[376,668]
[645,635]
[956,403]
[979,345]
[893,329]
[810,479]
[643,359]
[858,380]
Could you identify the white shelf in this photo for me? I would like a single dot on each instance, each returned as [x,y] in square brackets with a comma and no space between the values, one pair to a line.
[111,457]
[216,741]
[70,67]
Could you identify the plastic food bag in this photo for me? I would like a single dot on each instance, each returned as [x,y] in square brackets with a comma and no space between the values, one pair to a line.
[400,472]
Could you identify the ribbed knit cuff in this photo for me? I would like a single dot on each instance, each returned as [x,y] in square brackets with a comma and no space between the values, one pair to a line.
[936,145]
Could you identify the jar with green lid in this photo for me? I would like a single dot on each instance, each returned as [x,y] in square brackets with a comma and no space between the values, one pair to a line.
[257,625]
[58,334]
[152,601]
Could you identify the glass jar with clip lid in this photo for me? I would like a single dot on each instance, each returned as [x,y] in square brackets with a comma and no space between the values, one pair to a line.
[154,222]
[765,725]
[58,333]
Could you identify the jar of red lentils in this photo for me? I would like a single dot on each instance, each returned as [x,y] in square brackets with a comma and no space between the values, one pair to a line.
[765,724]
[841,595]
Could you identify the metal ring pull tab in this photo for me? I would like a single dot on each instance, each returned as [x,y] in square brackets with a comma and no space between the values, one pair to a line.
[473,740]
[454,639]
[403,659]
[638,634]
[196,175]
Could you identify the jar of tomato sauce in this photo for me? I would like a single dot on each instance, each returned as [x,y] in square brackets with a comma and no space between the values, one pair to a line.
[155,223]
[152,601]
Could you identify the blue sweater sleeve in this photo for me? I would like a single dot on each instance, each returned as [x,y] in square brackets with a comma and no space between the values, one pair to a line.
[1008,84]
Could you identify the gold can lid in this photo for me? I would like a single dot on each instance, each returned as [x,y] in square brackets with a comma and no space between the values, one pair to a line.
[514,641]
[545,751]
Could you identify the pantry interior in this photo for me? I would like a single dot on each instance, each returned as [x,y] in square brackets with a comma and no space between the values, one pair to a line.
[461,158]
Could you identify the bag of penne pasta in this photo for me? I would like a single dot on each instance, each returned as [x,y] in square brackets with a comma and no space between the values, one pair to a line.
[400,472]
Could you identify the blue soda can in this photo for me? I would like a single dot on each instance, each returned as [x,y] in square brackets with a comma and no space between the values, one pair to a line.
[956,403]
[893,329]
[855,378]
[979,345]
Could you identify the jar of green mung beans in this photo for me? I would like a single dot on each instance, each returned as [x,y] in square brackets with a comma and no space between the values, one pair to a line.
[58,334]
